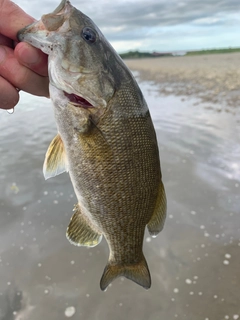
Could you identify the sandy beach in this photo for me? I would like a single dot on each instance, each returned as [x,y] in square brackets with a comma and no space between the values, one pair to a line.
[212,78]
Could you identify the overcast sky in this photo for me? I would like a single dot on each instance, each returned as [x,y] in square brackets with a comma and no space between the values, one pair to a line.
[157,25]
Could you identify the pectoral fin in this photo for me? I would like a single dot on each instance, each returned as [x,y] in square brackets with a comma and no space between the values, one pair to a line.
[156,223]
[80,231]
[55,160]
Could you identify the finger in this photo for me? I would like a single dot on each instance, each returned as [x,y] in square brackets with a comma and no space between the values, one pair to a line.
[20,76]
[9,95]
[32,58]
[6,41]
[12,19]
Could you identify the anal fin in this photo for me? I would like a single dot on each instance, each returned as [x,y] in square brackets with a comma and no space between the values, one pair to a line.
[156,223]
[80,232]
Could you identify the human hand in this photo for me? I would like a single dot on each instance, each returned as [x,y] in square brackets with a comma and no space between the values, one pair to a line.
[23,68]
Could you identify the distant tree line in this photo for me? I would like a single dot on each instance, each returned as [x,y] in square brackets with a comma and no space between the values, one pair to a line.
[213,51]
[138,55]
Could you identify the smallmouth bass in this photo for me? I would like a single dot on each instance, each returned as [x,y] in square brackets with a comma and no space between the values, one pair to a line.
[106,141]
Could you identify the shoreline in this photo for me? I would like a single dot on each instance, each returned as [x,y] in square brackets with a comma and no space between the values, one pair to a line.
[213,78]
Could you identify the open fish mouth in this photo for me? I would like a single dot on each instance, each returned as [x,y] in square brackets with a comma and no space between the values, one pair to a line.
[78,101]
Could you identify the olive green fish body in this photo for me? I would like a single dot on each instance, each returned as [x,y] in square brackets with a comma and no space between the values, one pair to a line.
[106,142]
[115,169]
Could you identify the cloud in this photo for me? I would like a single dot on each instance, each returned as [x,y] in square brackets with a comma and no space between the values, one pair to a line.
[139,13]
[158,12]
[152,21]
[123,46]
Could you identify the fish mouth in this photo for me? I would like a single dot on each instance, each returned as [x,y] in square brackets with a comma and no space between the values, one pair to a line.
[93,111]
[78,101]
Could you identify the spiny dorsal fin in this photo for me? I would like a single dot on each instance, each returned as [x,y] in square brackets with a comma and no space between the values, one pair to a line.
[138,273]
[156,223]
[80,232]
[55,160]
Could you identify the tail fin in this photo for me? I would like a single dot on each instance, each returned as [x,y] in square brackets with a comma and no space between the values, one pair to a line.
[138,273]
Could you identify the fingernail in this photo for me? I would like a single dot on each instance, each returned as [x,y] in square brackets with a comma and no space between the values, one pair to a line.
[2,53]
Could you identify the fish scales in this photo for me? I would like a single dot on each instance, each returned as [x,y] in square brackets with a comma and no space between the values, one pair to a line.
[109,180]
[106,141]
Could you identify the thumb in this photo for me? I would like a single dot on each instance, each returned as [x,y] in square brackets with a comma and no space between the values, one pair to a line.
[32,58]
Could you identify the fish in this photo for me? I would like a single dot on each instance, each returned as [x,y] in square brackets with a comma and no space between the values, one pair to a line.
[106,141]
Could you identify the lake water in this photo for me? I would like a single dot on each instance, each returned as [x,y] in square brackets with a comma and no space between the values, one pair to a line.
[194,262]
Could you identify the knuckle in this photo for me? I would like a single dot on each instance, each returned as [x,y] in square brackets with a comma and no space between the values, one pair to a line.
[20,75]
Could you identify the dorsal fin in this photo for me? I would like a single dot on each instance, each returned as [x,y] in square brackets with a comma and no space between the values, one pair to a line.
[55,160]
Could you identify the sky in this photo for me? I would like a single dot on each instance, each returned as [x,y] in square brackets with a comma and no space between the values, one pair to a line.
[157,25]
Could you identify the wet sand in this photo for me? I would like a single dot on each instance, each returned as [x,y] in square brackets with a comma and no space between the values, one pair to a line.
[213,78]
[194,262]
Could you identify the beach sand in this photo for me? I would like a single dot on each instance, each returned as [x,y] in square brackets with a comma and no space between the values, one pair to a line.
[212,78]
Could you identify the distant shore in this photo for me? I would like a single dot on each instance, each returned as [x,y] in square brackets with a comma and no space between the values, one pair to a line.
[213,78]
[141,54]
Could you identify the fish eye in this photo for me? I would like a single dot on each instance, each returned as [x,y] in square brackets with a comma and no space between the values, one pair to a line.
[89,35]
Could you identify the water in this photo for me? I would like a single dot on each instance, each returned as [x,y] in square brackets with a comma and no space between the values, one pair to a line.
[194,262]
